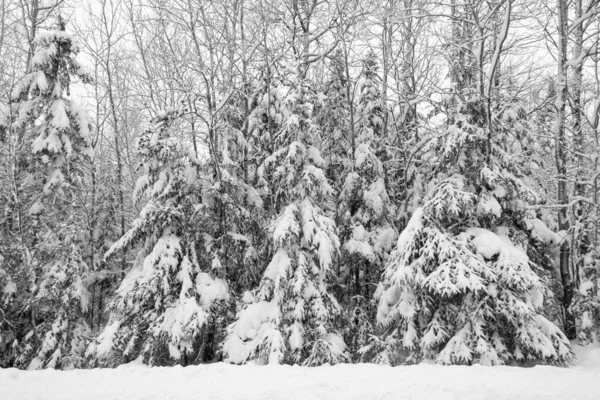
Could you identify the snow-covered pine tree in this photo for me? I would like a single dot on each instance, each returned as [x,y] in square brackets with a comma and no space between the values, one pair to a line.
[237,198]
[160,310]
[233,198]
[460,288]
[291,317]
[369,107]
[50,135]
[365,211]
[332,114]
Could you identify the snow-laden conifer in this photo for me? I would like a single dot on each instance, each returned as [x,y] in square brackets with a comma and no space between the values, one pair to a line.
[50,134]
[460,287]
[291,317]
[365,211]
[165,300]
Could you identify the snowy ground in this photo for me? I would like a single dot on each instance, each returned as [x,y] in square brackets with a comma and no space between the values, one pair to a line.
[222,381]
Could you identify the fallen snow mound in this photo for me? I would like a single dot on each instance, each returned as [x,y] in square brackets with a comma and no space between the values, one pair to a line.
[361,381]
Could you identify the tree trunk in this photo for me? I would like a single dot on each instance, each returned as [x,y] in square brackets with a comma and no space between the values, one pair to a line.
[581,235]
[115,121]
[561,166]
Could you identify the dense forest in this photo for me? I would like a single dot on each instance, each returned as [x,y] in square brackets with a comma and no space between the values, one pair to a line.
[298,181]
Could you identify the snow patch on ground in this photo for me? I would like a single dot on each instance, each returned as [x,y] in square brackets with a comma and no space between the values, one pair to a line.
[134,381]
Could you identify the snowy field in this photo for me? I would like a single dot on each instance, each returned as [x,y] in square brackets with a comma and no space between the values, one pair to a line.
[364,381]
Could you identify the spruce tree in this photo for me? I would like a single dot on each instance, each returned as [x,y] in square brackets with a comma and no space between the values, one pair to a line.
[365,211]
[291,317]
[48,277]
[162,308]
[460,287]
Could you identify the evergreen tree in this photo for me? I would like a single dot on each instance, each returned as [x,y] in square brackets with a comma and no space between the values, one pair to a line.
[365,211]
[460,287]
[161,309]
[291,317]
[47,277]
[332,113]
[238,195]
